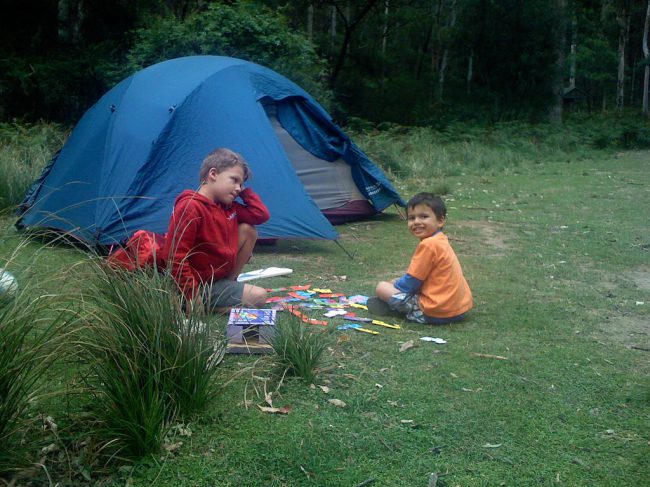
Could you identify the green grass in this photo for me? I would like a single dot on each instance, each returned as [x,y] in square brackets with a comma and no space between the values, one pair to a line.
[556,254]
[24,151]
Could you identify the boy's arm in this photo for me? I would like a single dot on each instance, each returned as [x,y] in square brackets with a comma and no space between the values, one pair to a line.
[253,212]
[408,284]
[423,262]
[179,243]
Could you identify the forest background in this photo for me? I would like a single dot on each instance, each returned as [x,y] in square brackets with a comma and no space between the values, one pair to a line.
[413,62]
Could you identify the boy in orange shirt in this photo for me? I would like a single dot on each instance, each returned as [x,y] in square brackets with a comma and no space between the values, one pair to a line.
[433,290]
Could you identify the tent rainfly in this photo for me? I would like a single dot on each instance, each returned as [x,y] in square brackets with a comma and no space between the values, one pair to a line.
[143,142]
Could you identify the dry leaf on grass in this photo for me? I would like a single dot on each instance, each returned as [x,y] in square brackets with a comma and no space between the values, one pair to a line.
[406,345]
[337,403]
[172,447]
[282,410]
[488,355]
[325,389]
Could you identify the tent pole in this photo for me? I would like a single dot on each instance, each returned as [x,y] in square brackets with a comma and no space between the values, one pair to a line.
[344,249]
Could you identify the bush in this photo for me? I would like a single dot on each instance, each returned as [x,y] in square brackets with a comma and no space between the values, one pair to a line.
[244,31]
[150,362]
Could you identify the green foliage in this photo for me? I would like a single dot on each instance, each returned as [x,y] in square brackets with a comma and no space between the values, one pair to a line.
[461,148]
[24,151]
[243,30]
[31,333]
[150,363]
[299,347]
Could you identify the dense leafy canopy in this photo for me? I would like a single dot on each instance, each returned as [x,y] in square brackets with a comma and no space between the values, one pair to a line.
[406,61]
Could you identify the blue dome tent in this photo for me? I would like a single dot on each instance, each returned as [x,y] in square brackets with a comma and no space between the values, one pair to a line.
[143,142]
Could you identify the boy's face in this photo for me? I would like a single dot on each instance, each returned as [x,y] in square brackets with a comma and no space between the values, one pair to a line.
[225,186]
[422,221]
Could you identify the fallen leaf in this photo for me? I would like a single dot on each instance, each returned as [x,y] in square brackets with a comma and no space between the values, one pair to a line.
[51,448]
[282,410]
[337,402]
[325,389]
[406,421]
[406,345]
[172,447]
[492,445]
[487,355]
[379,386]
[343,339]
[48,423]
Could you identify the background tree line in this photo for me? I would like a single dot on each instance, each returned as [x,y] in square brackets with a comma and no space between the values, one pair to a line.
[404,61]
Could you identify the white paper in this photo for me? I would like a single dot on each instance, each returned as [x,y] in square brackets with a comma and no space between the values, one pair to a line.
[434,340]
[267,272]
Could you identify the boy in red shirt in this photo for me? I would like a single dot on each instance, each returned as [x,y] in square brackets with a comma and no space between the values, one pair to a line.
[433,290]
[211,236]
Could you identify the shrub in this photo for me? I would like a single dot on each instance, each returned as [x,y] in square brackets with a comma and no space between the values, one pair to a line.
[299,347]
[150,362]
[245,31]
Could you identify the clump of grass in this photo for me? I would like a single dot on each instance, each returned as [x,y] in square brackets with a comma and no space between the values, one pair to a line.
[299,348]
[24,152]
[150,362]
[30,338]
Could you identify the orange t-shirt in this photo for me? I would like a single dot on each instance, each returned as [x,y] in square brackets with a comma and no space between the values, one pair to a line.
[444,292]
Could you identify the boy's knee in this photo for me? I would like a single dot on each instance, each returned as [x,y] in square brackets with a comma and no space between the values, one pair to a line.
[247,232]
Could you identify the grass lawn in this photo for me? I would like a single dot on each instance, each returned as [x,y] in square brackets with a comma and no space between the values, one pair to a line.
[557,256]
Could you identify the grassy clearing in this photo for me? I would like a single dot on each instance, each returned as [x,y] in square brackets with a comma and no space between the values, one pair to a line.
[24,151]
[556,253]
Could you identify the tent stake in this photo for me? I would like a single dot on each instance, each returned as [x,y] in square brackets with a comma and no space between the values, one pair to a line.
[344,250]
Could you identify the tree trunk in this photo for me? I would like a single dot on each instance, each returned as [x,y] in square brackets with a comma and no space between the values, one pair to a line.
[470,71]
[574,47]
[332,29]
[646,55]
[445,53]
[623,18]
[310,21]
[555,114]
[70,15]
[349,28]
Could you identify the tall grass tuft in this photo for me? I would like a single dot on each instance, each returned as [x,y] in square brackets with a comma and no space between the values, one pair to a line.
[24,152]
[149,361]
[31,333]
[299,347]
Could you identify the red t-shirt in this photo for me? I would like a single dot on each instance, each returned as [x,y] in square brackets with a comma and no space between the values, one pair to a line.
[444,292]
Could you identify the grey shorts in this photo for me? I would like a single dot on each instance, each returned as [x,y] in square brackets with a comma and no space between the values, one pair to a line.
[224,293]
[409,305]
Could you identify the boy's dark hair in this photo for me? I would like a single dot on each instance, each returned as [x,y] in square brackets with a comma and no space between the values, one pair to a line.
[432,201]
[222,159]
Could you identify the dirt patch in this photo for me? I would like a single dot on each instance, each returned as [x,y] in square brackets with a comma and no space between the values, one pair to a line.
[640,277]
[493,236]
[628,331]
